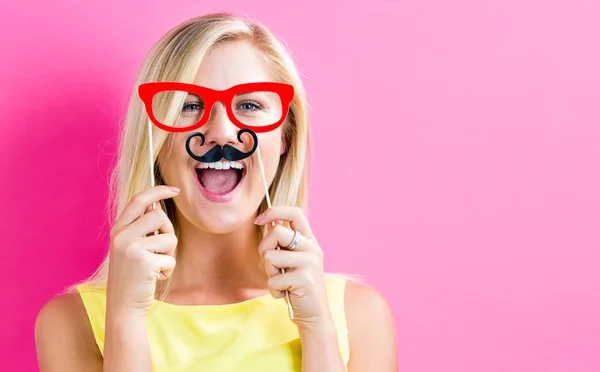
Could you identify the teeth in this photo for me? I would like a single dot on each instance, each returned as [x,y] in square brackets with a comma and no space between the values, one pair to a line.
[221,165]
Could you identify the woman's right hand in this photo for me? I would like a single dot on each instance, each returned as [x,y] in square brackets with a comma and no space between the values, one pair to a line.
[137,256]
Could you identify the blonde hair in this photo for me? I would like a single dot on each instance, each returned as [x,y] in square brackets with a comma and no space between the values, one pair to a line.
[177,57]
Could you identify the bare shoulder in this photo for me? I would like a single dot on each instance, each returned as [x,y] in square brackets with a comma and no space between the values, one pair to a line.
[64,338]
[371,329]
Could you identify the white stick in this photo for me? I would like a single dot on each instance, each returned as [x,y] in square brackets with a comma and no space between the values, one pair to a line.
[264,179]
[151,152]
[152,182]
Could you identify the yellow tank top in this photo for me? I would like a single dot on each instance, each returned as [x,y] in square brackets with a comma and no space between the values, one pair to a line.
[253,335]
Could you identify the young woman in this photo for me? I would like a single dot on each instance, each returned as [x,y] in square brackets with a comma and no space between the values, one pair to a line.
[195,284]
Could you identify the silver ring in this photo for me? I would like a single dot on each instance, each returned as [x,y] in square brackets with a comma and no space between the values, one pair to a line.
[294,242]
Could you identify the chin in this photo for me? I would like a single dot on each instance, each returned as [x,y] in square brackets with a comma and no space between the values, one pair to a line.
[221,224]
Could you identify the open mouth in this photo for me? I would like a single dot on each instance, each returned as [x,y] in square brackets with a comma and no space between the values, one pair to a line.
[218,180]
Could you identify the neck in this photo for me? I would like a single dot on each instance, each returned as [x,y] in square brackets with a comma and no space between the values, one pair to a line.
[216,263]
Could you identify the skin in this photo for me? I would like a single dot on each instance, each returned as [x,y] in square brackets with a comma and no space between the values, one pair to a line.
[232,265]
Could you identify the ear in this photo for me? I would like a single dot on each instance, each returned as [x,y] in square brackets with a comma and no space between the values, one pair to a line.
[284,147]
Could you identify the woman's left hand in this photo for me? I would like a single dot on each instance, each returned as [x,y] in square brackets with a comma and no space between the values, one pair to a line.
[304,275]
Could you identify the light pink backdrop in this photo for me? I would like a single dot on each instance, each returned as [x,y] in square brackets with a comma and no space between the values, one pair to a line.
[458,162]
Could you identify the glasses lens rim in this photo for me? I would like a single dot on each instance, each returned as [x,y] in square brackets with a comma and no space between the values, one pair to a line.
[210,101]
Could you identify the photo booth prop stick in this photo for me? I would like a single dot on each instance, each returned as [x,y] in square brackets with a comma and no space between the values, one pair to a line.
[264,180]
[152,182]
[252,107]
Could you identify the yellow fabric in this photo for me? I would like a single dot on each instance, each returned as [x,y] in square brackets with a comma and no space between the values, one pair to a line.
[254,335]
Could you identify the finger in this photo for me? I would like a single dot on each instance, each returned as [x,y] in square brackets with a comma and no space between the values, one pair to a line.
[161,243]
[294,215]
[150,209]
[270,269]
[162,264]
[150,222]
[281,236]
[286,260]
[291,281]
[140,201]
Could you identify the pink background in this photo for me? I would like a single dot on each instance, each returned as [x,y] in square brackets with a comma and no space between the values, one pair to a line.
[473,202]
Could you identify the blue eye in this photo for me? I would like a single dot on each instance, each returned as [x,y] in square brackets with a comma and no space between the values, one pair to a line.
[191,106]
[250,106]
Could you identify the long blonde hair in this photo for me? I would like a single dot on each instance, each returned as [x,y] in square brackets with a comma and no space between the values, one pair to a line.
[177,57]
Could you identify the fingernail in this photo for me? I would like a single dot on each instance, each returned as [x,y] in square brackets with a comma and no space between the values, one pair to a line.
[174,189]
[259,219]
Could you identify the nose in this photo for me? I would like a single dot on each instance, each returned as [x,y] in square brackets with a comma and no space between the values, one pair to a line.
[219,130]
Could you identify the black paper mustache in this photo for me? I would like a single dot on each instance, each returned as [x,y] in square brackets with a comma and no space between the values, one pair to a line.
[219,152]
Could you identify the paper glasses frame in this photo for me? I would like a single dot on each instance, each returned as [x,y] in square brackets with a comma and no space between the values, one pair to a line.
[147,91]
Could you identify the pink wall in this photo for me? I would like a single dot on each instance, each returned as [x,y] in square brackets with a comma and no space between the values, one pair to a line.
[476,184]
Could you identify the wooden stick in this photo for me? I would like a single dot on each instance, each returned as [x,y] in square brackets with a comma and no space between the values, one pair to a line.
[264,179]
[152,181]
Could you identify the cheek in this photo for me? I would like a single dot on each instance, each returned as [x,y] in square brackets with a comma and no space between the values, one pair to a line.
[270,143]
[270,150]
[175,159]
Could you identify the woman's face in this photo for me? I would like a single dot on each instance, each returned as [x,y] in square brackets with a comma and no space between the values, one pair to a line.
[221,200]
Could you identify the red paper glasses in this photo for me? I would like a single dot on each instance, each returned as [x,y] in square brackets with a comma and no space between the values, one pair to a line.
[182,107]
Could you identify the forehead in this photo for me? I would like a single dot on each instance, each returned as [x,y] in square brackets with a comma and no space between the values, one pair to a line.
[232,63]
